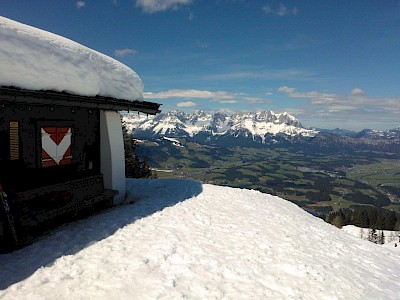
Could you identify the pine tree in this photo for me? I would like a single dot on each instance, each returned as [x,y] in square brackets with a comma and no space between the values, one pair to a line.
[381,239]
[373,236]
[370,235]
[337,218]
[338,221]
[134,167]
[397,225]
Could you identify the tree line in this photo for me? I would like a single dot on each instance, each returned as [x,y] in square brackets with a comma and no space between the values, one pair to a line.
[365,217]
[134,167]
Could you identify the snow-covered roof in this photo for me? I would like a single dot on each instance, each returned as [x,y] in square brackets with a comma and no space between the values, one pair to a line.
[34,59]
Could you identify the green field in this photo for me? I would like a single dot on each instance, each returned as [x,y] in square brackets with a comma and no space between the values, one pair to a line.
[383,173]
[317,181]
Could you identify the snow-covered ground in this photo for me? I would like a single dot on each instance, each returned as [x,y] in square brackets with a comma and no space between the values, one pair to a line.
[174,141]
[392,238]
[35,59]
[181,239]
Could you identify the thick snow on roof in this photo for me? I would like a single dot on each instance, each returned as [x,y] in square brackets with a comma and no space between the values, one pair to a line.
[35,59]
[185,240]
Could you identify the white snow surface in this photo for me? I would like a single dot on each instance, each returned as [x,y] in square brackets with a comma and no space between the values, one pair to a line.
[182,239]
[35,59]
[174,141]
[392,238]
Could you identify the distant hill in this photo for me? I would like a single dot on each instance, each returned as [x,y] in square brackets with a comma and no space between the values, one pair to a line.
[339,131]
[391,134]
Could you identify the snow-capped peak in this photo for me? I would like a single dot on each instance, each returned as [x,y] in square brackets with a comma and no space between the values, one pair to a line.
[255,124]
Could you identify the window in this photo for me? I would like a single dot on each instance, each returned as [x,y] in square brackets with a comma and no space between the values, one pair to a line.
[56,146]
[14,140]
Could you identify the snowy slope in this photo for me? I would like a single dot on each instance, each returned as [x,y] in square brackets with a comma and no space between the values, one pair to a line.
[35,59]
[391,238]
[187,240]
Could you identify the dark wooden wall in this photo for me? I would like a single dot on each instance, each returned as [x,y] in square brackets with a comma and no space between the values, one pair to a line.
[27,172]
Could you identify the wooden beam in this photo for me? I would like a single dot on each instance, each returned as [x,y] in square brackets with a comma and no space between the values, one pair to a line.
[14,95]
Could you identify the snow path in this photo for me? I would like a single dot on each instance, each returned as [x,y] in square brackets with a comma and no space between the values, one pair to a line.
[187,240]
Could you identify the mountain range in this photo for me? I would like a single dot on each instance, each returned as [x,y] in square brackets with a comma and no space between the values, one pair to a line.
[253,125]
[264,127]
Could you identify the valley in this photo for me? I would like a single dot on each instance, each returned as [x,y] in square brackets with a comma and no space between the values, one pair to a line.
[316,182]
[324,173]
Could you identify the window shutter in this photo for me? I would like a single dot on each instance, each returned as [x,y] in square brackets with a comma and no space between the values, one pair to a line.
[14,140]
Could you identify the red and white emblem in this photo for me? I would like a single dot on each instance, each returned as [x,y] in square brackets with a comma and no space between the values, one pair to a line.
[56,146]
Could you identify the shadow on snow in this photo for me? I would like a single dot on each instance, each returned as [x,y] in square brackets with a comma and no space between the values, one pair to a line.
[150,196]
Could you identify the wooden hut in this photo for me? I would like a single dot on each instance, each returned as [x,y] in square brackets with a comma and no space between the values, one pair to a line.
[61,153]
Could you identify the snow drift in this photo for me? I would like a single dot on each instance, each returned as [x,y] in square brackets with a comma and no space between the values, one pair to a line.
[182,239]
[35,59]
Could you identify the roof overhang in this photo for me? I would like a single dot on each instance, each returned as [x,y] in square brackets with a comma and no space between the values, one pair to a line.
[15,95]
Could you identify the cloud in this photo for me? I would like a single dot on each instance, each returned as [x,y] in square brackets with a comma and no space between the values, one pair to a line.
[254,100]
[280,11]
[123,52]
[227,101]
[221,97]
[285,74]
[267,9]
[186,104]
[300,41]
[354,107]
[286,89]
[154,6]
[357,92]
[200,44]
[80,4]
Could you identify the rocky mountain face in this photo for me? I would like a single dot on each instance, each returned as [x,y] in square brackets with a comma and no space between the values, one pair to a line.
[258,126]
[256,129]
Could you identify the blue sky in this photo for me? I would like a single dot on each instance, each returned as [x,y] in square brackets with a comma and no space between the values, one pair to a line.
[329,63]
